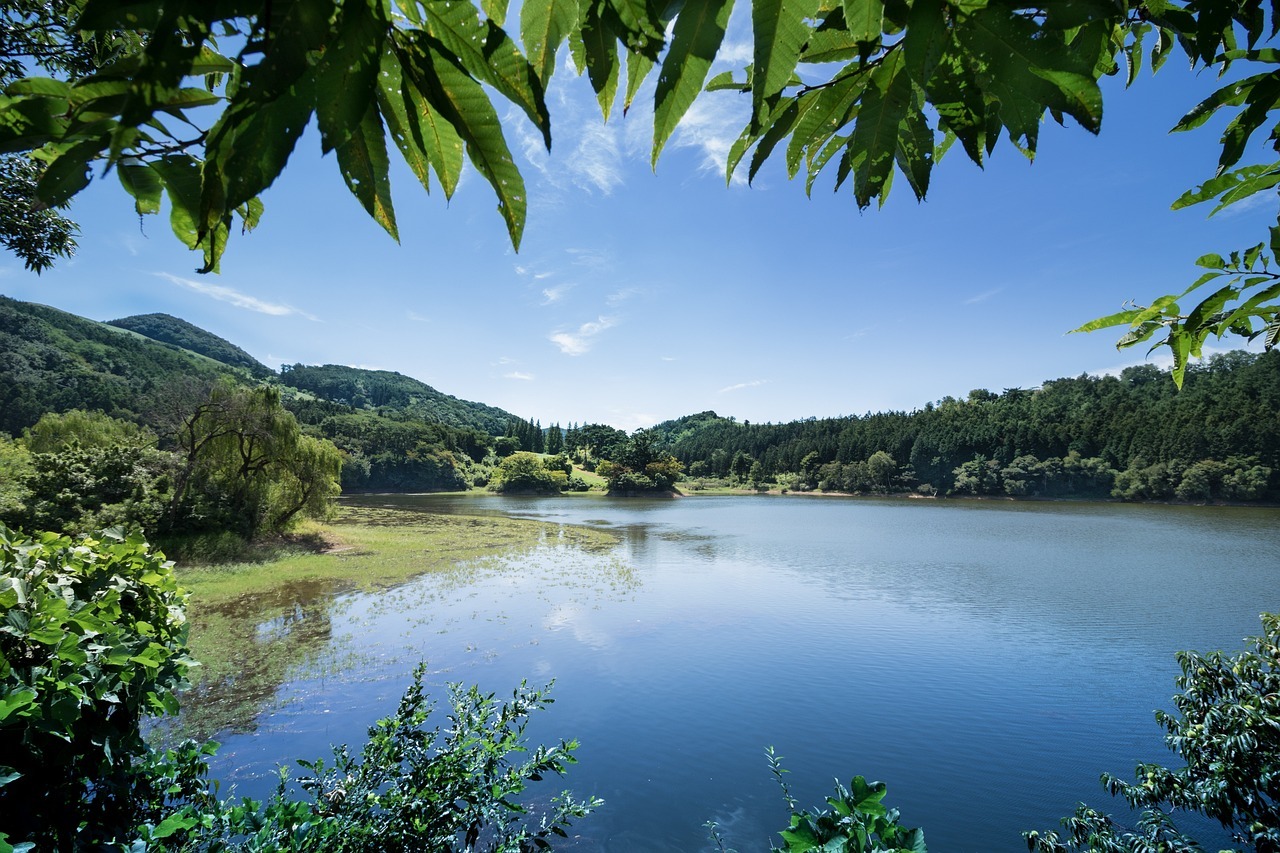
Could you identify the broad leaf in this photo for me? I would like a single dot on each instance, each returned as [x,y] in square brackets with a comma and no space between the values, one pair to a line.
[543,26]
[699,30]
[363,162]
[780,32]
[347,73]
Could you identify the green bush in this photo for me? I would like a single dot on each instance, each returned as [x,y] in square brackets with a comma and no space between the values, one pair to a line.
[93,638]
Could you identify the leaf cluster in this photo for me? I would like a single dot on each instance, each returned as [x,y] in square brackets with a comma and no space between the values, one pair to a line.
[1226,733]
[92,640]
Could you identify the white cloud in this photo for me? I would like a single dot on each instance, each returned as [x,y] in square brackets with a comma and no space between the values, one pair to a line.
[755,383]
[620,296]
[516,374]
[579,342]
[982,297]
[555,294]
[668,358]
[418,318]
[238,299]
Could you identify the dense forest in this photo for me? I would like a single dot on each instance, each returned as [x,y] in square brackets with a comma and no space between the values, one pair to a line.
[1135,436]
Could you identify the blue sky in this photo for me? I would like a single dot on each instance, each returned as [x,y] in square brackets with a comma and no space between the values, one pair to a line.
[638,297]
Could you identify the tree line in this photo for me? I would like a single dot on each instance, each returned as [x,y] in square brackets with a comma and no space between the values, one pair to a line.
[1133,436]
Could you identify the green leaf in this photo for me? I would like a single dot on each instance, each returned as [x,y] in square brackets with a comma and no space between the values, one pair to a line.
[865,21]
[178,822]
[347,72]
[543,26]
[875,133]
[699,30]
[829,110]
[180,175]
[638,68]
[926,39]
[250,145]
[141,182]
[364,164]
[462,102]
[600,55]
[487,53]
[1082,96]
[1122,318]
[69,173]
[1231,95]
[780,32]
[392,96]
[495,10]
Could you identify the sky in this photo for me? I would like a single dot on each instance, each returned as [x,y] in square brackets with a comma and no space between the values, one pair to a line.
[639,296]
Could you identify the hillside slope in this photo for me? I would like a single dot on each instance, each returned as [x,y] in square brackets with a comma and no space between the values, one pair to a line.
[52,361]
[384,389]
[168,329]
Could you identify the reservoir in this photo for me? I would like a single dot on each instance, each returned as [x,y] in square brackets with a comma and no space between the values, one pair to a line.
[986,660]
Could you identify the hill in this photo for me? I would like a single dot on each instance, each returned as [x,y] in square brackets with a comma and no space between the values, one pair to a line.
[168,329]
[385,389]
[52,361]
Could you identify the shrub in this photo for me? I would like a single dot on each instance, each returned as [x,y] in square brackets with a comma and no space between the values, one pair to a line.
[93,639]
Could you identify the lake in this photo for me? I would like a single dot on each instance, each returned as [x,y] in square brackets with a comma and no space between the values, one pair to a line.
[987,660]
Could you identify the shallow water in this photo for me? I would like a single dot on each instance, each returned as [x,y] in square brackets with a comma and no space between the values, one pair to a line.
[986,660]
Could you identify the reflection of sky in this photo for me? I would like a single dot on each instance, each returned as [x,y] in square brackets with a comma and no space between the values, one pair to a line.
[943,647]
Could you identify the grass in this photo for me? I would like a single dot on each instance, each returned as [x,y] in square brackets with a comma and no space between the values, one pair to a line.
[255,623]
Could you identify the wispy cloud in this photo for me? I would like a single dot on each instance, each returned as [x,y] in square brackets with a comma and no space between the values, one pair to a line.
[579,342]
[620,296]
[238,299]
[668,358]
[983,296]
[516,374]
[754,383]
[555,293]
[418,318]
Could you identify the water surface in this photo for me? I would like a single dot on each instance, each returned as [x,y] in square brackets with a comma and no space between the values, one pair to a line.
[985,659]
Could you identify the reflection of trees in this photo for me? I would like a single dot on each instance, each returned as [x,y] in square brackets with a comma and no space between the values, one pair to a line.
[247,648]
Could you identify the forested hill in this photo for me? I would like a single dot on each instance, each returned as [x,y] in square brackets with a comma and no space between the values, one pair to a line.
[1138,422]
[52,361]
[171,330]
[384,389]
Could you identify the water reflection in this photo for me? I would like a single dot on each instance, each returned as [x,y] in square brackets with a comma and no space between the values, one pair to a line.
[1013,649]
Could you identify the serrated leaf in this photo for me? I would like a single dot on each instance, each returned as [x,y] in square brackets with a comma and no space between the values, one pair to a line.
[790,110]
[638,68]
[865,21]
[495,10]
[1262,98]
[363,161]
[830,109]
[926,39]
[141,182]
[347,73]
[875,133]
[1082,97]
[699,30]
[251,143]
[1231,95]
[462,102]
[180,175]
[780,32]
[1122,318]
[488,54]
[543,26]
[68,174]
[600,55]
[392,98]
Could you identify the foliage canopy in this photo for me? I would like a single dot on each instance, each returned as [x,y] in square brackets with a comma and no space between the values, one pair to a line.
[207,107]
